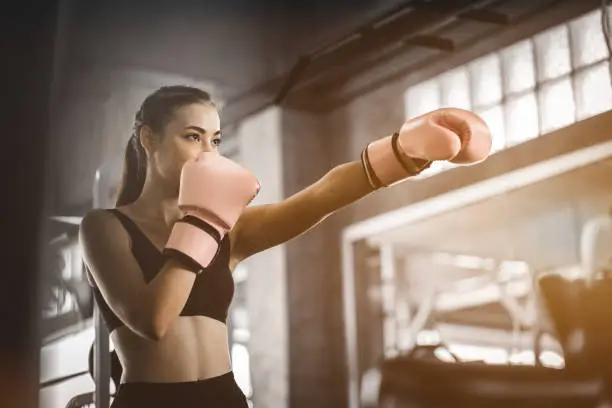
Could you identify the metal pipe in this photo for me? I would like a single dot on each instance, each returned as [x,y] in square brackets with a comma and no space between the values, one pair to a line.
[595,249]
[101,367]
[350,320]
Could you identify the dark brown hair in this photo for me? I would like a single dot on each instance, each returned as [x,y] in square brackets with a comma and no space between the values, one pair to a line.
[155,112]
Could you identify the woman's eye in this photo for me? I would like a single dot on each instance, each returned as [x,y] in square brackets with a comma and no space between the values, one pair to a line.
[216,142]
[193,136]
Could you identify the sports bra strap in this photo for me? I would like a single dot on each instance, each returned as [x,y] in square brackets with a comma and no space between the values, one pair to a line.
[133,230]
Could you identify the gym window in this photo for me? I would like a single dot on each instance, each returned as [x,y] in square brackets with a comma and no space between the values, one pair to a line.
[533,87]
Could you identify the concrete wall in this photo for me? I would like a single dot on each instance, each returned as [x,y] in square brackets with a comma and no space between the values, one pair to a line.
[293,290]
[261,151]
[312,145]
[315,341]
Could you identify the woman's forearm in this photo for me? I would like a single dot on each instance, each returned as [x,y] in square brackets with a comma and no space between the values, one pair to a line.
[343,185]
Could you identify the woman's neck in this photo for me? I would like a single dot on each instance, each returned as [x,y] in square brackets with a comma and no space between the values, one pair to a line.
[157,203]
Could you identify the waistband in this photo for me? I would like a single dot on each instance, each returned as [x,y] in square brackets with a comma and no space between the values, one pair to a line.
[229,376]
[210,392]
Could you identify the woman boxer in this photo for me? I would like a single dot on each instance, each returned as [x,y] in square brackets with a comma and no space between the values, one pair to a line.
[161,261]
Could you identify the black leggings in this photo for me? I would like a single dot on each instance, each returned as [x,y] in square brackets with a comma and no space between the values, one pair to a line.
[221,391]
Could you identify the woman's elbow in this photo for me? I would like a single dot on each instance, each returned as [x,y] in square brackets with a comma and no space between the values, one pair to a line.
[157,328]
[155,334]
[150,327]
[150,332]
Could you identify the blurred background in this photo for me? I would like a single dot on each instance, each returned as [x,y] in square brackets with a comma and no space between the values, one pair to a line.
[430,289]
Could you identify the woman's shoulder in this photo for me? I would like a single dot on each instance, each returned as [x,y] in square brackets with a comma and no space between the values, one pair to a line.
[99,221]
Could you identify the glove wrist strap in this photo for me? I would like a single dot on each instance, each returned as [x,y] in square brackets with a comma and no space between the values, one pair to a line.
[185,260]
[411,165]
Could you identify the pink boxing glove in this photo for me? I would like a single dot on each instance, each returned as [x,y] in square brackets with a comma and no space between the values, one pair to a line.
[214,191]
[452,134]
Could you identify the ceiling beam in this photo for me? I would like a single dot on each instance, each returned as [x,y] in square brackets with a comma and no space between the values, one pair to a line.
[401,25]
[401,67]
[486,16]
[430,41]
[340,91]
[417,23]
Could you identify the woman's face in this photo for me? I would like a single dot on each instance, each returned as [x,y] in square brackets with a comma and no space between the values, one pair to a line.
[194,129]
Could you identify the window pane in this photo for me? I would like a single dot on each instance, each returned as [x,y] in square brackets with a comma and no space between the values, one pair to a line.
[456,88]
[593,91]
[553,53]
[588,44]
[521,119]
[557,107]
[423,98]
[485,76]
[494,117]
[518,67]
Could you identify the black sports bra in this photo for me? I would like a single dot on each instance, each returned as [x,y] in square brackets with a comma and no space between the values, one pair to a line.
[212,291]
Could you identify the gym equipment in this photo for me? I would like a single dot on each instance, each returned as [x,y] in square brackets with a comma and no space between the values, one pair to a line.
[107,180]
[104,365]
[416,382]
[578,309]
[563,301]
[596,259]
[115,366]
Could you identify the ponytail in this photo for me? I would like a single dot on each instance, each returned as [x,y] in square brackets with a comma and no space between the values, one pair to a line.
[134,172]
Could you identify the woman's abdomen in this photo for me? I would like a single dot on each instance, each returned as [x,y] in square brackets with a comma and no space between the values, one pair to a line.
[194,348]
